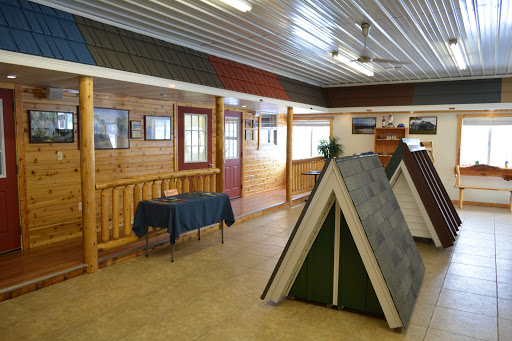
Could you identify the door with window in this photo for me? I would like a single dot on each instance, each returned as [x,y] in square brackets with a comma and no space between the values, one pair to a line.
[232,153]
[9,212]
[194,138]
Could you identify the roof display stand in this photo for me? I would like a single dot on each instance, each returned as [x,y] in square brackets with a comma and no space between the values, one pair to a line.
[351,245]
[427,209]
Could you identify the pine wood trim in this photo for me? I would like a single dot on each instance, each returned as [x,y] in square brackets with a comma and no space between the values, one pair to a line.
[289,151]
[219,142]
[22,166]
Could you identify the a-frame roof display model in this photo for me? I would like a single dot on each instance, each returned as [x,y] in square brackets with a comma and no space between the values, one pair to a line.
[351,245]
[428,210]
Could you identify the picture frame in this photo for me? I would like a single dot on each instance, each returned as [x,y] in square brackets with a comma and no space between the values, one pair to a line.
[111,129]
[135,130]
[425,125]
[157,128]
[51,126]
[364,125]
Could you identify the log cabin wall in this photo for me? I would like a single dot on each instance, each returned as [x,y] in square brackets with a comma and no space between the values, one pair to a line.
[54,186]
[265,168]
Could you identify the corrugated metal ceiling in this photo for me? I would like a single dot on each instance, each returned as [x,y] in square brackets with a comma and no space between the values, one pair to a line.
[294,38]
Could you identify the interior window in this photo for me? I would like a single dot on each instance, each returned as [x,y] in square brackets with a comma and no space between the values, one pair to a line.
[196,135]
[268,133]
[486,140]
[306,136]
[231,138]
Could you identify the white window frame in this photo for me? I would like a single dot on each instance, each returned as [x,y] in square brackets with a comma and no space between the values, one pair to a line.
[264,130]
[3,169]
[185,140]
[235,138]
[311,123]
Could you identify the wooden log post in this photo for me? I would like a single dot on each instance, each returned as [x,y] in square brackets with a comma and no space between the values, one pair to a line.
[115,213]
[219,142]
[87,172]
[289,132]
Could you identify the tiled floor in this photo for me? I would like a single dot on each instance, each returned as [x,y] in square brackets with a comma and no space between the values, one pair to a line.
[211,292]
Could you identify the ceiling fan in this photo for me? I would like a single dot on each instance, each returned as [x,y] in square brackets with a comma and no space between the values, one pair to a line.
[365,58]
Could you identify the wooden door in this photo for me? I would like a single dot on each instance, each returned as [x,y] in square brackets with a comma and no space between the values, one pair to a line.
[232,153]
[194,138]
[9,211]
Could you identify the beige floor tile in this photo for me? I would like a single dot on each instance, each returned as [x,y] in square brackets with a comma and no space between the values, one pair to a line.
[264,250]
[280,311]
[434,278]
[484,228]
[504,276]
[465,323]
[505,291]
[268,265]
[33,326]
[428,294]
[471,271]
[503,228]
[503,245]
[164,330]
[295,331]
[505,330]
[249,325]
[487,262]
[440,335]
[478,304]
[73,334]
[505,309]
[477,251]
[504,264]
[504,254]
[476,242]
[471,285]
[476,235]
[422,314]
[276,241]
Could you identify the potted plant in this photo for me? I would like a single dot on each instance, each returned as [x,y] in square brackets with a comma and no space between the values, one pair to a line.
[330,148]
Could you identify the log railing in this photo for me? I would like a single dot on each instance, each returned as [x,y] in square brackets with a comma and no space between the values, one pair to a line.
[134,189]
[304,183]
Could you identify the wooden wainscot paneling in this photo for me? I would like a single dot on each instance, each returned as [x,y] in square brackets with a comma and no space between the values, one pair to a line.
[53,186]
[265,168]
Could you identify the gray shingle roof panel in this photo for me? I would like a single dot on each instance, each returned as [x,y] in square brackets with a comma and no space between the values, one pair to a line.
[386,229]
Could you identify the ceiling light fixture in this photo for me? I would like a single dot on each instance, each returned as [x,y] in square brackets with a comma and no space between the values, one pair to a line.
[240,5]
[352,65]
[457,54]
[11,76]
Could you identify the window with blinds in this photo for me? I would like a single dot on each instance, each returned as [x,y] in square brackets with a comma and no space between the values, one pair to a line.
[486,140]
[268,131]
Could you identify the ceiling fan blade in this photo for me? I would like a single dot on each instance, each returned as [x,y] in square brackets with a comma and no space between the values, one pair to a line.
[389,61]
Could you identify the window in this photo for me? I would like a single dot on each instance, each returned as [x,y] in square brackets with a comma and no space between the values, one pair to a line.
[306,135]
[486,140]
[231,138]
[157,127]
[268,132]
[196,135]
[2,144]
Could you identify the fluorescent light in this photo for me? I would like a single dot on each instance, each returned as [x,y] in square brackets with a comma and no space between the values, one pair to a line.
[457,54]
[240,5]
[352,65]
[11,76]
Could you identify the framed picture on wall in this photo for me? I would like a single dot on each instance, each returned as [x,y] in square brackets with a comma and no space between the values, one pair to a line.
[364,125]
[51,127]
[135,129]
[423,125]
[157,127]
[111,129]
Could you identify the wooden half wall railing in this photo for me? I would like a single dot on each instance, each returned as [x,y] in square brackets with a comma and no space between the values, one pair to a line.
[145,187]
[304,183]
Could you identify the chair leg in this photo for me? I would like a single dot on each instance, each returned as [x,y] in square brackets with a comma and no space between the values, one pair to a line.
[461,197]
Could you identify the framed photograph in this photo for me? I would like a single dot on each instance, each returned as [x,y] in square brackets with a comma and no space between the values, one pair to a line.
[157,128]
[135,129]
[248,135]
[111,129]
[364,125]
[51,127]
[423,125]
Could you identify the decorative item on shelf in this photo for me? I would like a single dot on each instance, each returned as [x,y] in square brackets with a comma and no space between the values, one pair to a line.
[401,125]
[330,148]
[390,121]
[383,121]
[477,162]
[506,164]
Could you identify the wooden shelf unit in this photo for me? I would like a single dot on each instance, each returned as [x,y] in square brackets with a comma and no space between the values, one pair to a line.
[385,146]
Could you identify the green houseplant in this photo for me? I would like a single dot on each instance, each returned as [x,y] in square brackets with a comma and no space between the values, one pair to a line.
[330,148]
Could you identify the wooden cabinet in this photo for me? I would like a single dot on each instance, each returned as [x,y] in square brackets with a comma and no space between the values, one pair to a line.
[386,141]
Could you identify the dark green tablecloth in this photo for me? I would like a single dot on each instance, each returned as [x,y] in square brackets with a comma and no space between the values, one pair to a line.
[183,212]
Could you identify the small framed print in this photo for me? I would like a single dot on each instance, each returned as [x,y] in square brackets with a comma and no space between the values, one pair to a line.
[135,129]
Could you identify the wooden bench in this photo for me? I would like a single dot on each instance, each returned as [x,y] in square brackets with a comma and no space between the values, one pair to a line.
[463,187]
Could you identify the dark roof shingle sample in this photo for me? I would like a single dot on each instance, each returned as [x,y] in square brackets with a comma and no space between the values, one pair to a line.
[436,201]
[42,31]
[386,230]
[302,92]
